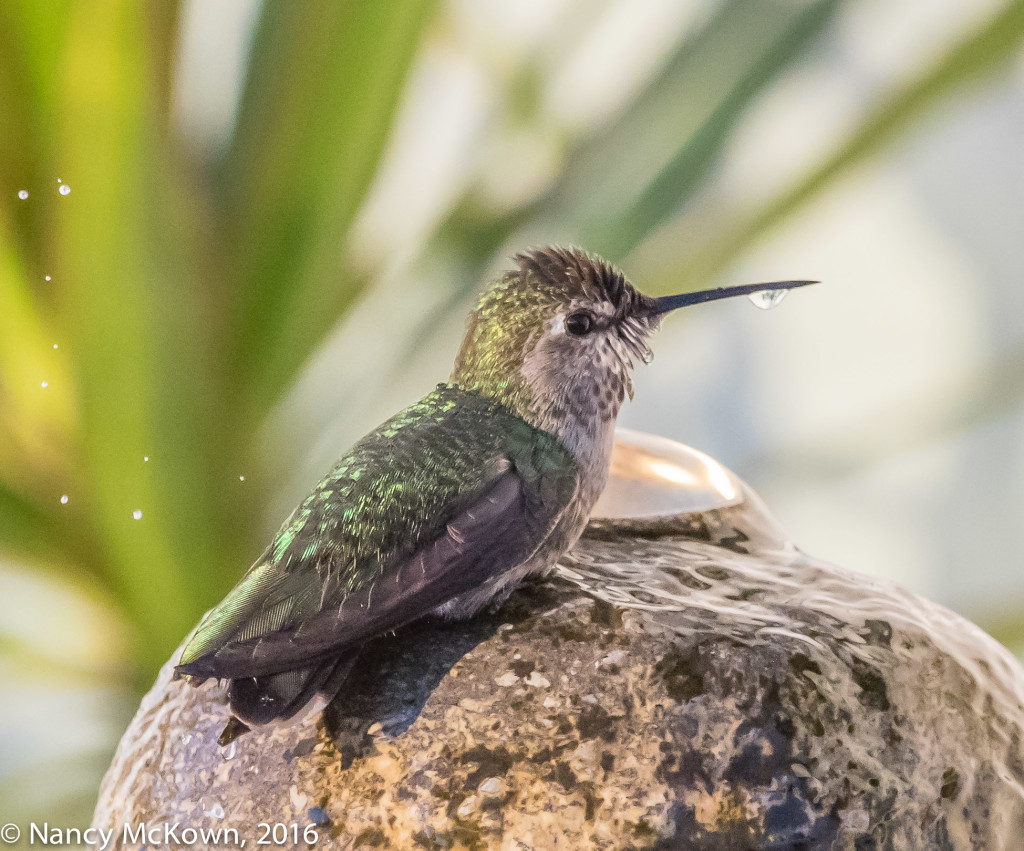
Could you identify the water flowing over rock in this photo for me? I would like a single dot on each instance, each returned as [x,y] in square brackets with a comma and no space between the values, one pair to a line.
[683,680]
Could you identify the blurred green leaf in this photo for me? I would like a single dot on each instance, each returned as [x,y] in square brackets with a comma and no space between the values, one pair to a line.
[759,48]
[36,419]
[31,40]
[112,155]
[634,174]
[979,54]
[323,84]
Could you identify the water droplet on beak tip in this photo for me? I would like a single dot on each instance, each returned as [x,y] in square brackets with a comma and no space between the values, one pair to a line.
[767,299]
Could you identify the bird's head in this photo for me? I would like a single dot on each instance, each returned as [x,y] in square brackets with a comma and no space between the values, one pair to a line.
[556,339]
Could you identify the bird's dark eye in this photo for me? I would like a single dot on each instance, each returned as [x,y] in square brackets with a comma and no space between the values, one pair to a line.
[579,324]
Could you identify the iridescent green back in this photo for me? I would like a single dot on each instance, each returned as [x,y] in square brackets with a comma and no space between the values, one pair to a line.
[392,493]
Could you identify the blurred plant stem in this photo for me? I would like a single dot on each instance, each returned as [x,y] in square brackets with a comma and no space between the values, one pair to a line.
[323,85]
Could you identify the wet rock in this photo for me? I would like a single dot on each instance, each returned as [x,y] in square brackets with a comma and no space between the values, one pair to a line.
[692,682]
[665,690]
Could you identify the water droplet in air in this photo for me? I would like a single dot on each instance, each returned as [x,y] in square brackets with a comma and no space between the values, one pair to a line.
[145,457]
[47,278]
[44,383]
[55,345]
[767,299]
[64,189]
[23,194]
[64,499]
[137,514]
[241,478]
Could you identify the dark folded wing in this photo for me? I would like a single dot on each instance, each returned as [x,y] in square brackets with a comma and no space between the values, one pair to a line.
[284,620]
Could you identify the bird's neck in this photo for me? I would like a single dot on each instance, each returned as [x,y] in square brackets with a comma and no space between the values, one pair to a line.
[588,436]
[565,413]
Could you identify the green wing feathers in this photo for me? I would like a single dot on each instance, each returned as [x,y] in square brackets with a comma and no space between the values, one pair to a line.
[397,495]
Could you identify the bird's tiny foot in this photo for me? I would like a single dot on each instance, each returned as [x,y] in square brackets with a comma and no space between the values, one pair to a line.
[232,730]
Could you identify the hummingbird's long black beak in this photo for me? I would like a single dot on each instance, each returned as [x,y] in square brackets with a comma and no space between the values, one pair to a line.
[670,302]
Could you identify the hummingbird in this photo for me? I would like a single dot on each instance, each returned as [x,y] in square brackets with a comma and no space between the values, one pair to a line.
[447,506]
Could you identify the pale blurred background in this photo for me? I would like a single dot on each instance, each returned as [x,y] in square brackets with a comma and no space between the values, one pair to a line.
[280,214]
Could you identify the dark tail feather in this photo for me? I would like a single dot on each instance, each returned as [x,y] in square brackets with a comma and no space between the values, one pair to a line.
[277,697]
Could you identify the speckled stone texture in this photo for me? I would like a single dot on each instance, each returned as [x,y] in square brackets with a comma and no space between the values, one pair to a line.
[691,684]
